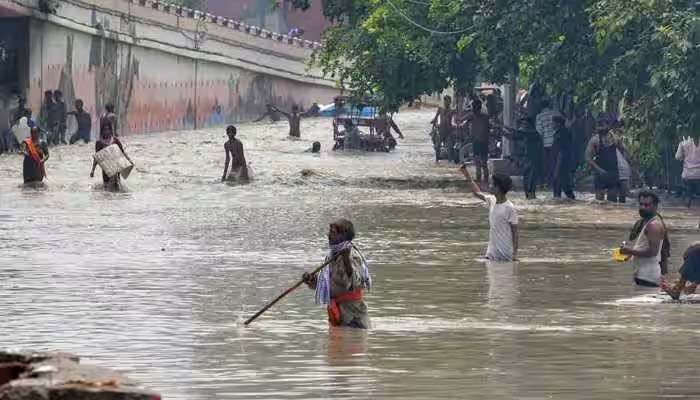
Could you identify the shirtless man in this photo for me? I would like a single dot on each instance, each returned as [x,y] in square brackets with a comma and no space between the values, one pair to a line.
[269,112]
[294,117]
[234,155]
[384,124]
[107,139]
[111,118]
[480,129]
[460,131]
[443,122]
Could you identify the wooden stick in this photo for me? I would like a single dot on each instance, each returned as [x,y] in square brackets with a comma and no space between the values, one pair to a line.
[288,291]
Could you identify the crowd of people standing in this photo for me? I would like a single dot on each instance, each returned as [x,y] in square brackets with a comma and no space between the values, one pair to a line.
[51,122]
[553,148]
[32,139]
[552,153]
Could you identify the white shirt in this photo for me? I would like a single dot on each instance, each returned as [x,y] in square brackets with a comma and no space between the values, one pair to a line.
[623,166]
[689,153]
[21,130]
[501,217]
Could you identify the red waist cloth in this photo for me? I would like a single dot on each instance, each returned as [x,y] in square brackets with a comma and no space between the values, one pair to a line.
[334,310]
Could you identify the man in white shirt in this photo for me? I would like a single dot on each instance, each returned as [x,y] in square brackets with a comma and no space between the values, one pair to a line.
[689,152]
[503,217]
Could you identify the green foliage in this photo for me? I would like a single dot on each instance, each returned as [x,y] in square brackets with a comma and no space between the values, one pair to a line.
[372,51]
[600,51]
[654,56]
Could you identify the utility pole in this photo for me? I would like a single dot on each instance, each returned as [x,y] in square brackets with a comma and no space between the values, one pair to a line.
[509,99]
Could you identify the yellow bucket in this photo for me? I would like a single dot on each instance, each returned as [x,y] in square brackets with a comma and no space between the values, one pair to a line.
[619,257]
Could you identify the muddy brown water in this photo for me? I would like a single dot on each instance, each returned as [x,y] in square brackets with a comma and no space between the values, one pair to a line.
[156,281]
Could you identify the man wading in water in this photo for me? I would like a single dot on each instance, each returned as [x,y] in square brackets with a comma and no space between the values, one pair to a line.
[650,237]
[234,155]
[341,284]
[443,122]
[480,129]
[294,119]
[110,117]
[107,139]
[503,217]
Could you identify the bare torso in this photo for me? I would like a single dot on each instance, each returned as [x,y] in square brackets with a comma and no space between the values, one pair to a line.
[235,149]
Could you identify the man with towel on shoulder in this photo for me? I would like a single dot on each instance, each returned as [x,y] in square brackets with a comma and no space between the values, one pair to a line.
[342,283]
[650,246]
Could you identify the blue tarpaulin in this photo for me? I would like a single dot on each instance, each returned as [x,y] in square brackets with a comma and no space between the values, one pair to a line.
[366,112]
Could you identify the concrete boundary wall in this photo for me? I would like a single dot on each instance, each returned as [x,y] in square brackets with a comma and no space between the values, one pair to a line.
[164,67]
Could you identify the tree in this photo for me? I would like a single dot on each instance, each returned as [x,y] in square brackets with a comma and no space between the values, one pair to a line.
[372,50]
[655,57]
[403,49]
[598,51]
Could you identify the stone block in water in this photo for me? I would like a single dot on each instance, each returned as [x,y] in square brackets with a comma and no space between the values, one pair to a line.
[60,376]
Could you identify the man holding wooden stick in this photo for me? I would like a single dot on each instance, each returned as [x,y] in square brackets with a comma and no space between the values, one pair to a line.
[341,284]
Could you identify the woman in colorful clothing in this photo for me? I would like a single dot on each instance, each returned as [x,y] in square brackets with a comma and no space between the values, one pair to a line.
[35,155]
[342,283]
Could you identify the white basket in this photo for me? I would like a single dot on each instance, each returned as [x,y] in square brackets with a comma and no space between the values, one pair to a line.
[112,161]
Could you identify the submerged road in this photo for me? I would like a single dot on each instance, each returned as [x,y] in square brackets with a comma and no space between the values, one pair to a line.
[157,281]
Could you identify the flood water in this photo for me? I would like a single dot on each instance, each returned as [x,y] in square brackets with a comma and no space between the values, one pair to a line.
[157,281]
